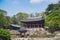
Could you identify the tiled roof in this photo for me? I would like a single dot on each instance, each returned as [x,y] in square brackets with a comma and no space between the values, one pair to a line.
[32,19]
[15,25]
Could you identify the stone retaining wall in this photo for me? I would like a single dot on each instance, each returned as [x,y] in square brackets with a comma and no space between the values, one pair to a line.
[34,39]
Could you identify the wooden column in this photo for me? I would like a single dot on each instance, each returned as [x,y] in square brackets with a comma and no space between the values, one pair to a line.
[29,25]
[37,25]
[41,25]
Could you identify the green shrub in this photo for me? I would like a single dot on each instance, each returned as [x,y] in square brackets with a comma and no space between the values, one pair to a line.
[54,28]
[4,33]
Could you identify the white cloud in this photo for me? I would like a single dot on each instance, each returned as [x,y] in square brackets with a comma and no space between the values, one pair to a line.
[54,1]
[35,1]
[40,1]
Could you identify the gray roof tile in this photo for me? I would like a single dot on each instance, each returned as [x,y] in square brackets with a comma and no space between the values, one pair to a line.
[32,19]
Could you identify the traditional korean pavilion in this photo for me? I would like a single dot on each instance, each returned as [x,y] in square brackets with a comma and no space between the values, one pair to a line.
[34,22]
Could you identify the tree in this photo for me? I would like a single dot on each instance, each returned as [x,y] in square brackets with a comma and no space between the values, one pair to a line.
[13,19]
[22,15]
[4,33]
[52,7]
[4,20]
[8,20]
[37,14]
[18,17]
[53,17]
[59,2]
[2,17]
[3,12]
[31,15]
[40,14]
[53,20]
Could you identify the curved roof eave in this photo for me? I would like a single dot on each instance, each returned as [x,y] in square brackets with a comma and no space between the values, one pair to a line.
[32,19]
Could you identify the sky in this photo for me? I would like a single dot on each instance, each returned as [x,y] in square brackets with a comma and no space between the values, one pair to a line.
[28,6]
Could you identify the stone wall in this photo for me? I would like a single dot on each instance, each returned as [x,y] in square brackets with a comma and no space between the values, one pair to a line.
[33,30]
[35,39]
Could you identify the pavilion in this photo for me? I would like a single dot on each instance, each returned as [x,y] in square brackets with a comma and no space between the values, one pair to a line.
[34,22]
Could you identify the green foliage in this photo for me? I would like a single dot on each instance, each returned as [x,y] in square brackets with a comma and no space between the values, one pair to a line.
[8,20]
[40,14]
[2,18]
[53,20]
[54,17]
[13,19]
[16,19]
[31,15]
[4,33]
[52,7]
[21,15]
[3,12]
[54,28]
